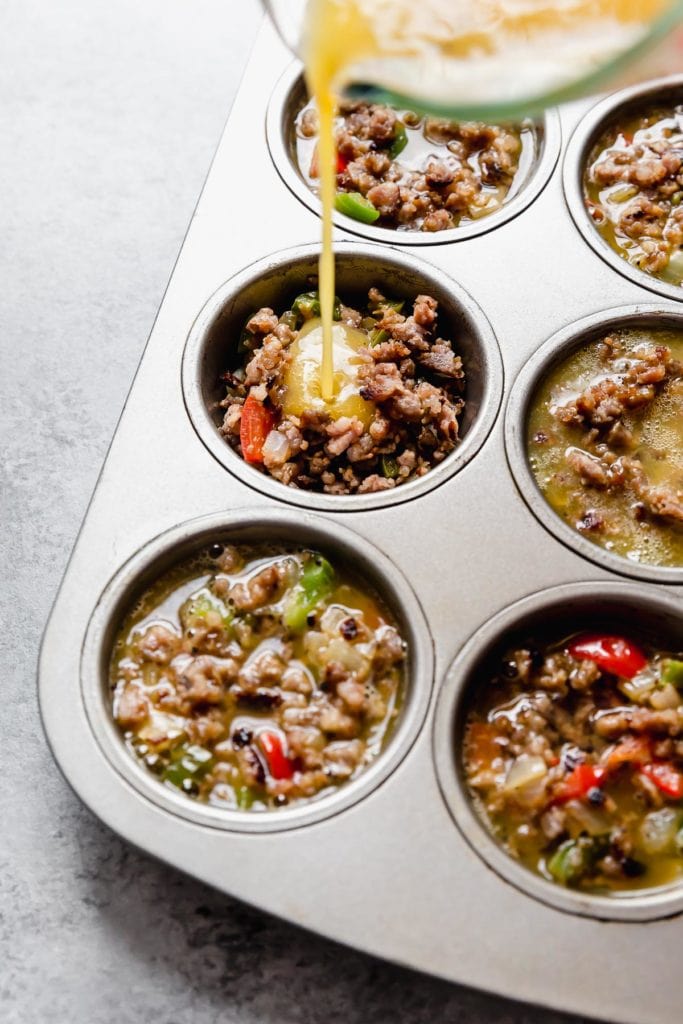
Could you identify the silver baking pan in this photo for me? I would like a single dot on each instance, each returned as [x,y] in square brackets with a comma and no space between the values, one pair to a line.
[396,863]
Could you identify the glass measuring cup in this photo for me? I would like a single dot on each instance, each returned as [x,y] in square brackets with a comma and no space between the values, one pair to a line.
[520,76]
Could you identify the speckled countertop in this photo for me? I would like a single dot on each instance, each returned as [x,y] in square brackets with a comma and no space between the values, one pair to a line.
[109,114]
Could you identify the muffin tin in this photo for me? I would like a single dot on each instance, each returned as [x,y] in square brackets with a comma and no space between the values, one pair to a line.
[395,863]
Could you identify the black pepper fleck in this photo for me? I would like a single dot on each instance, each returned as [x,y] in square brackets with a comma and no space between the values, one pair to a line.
[241,737]
[349,629]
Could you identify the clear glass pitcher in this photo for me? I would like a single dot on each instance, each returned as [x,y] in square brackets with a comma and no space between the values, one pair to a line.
[518,79]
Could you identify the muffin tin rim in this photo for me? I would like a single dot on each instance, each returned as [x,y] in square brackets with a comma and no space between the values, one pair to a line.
[580,142]
[633,906]
[539,177]
[559,346]
[246,525]
[240,864]
[475,437]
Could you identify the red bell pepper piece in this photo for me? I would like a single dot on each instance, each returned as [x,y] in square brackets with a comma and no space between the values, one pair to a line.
[256,423]
[665,777]
[579,781]
[614,654]
[279,765]
[314,169]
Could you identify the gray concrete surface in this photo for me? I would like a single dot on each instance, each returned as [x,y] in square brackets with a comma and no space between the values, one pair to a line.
[109,114]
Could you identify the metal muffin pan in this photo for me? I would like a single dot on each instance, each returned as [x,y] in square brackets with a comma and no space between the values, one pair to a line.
[609,111]
[391,873]
[274,282]
[290,96]
[289,529]
[615,606]
[558,348]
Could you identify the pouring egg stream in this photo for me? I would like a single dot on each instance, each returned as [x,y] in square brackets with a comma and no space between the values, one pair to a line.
[337,33]
[445,51]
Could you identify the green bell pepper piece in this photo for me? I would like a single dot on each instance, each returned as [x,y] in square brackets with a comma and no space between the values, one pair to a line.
[290,319]
[355,205]
[400,140]
[316,581]
[568,862]
[672,672]
[188,764]
[246,342]
[199,605]
[307,306]
[245,798]
[377,337]
[389,466]
[247,339]
[378,309]
[575,857]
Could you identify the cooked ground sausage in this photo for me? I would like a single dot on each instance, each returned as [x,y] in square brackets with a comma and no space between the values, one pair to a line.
[419,173]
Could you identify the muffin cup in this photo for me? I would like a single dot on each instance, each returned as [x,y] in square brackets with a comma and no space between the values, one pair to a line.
[554,351]
[288,98]
[179,543]
[571,606]
[611,110]
[273,282]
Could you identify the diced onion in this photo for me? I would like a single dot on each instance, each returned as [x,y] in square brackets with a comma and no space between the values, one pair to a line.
[162,731]
[658,830]
[640,687]
[524,770]
[665,697]
[332,619]
[314,645]
[276,449]
[346,654]
[674,268]
[589,819]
